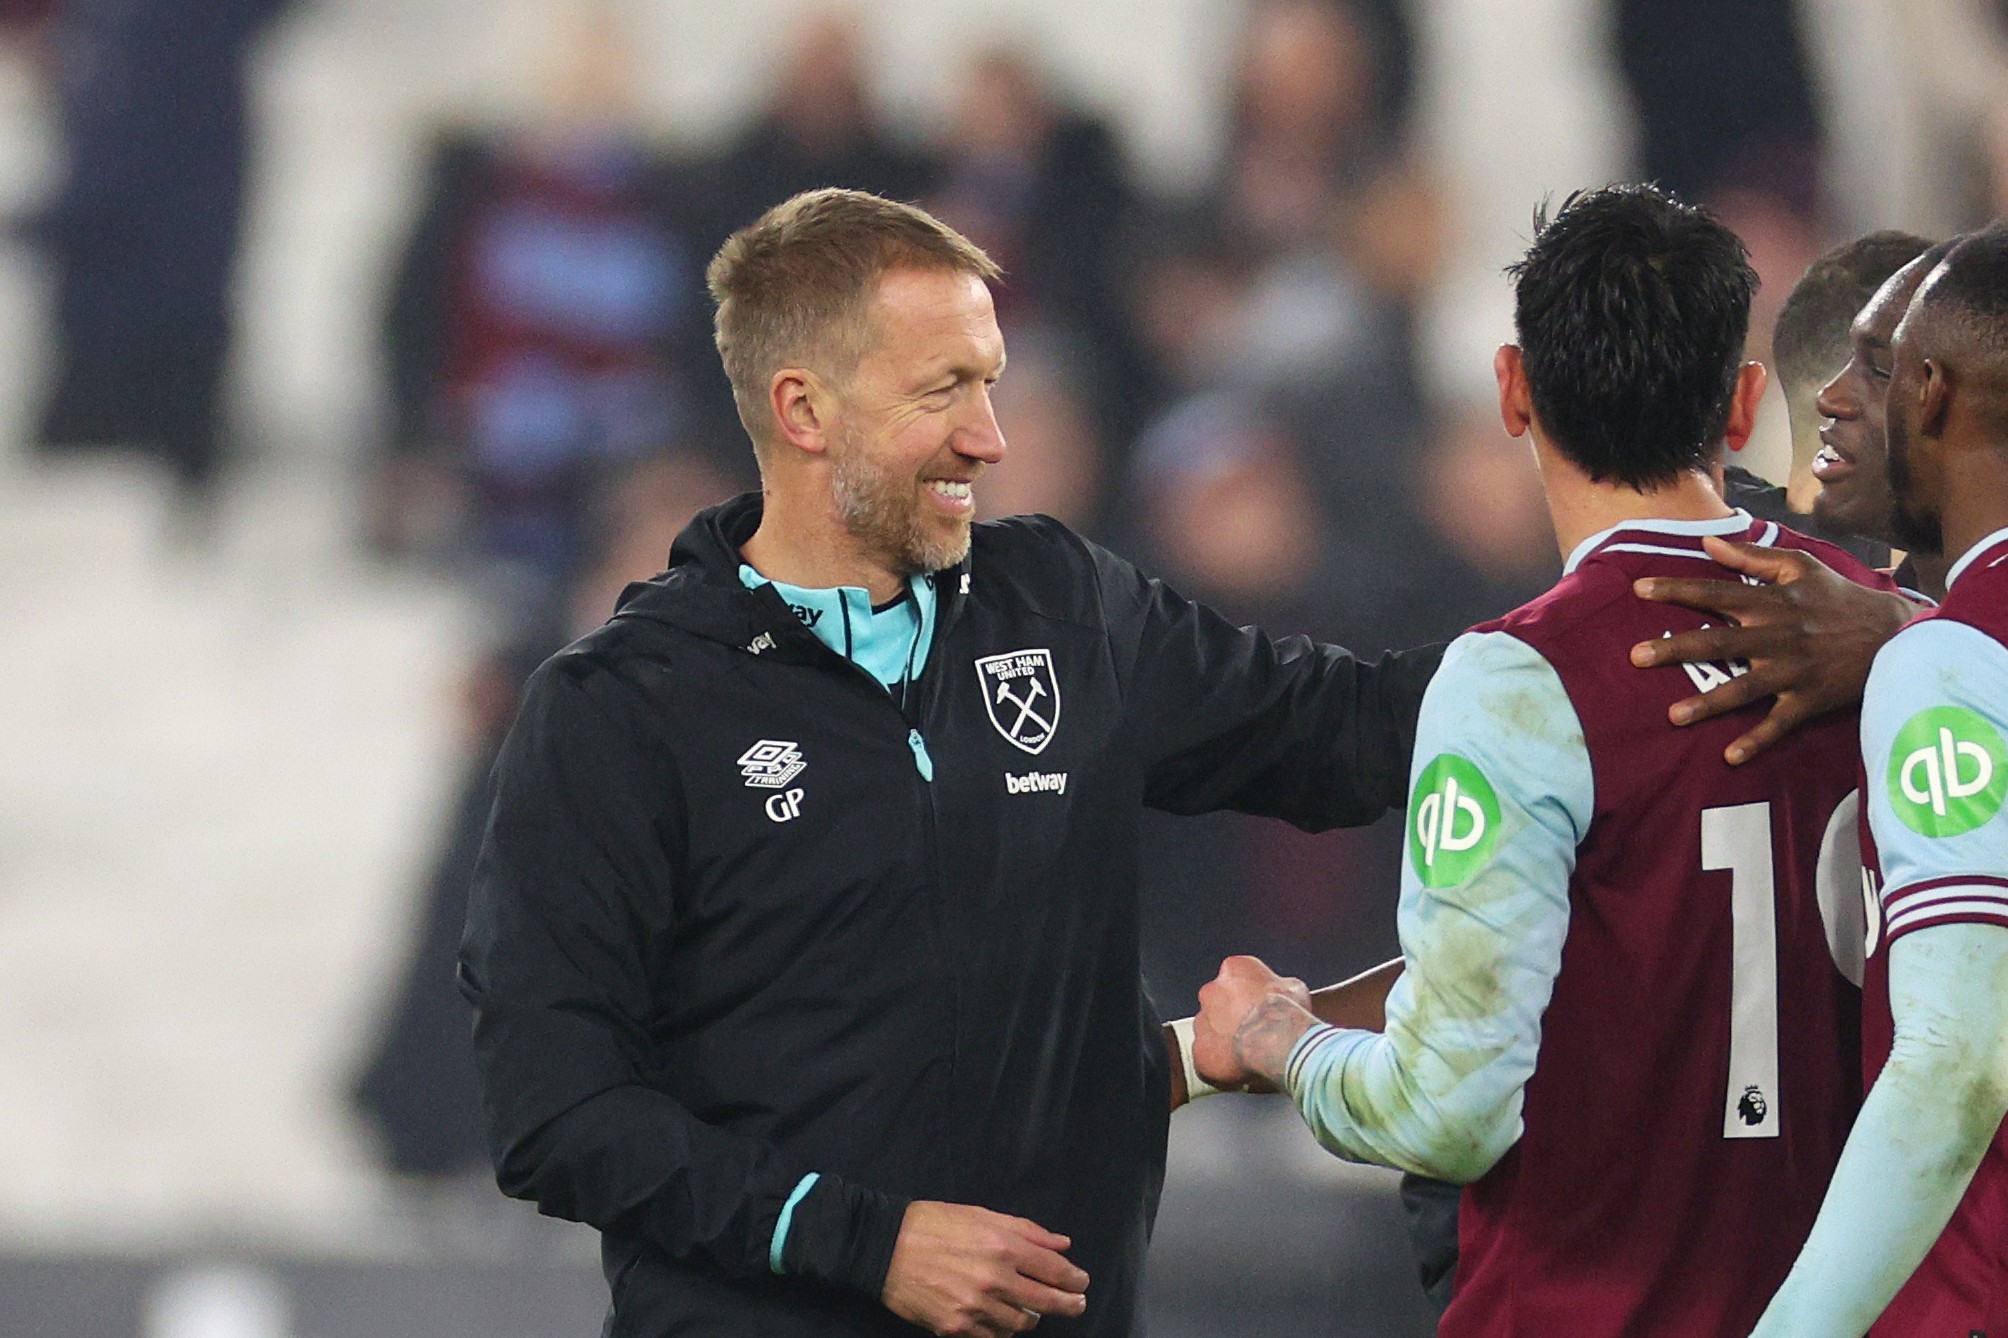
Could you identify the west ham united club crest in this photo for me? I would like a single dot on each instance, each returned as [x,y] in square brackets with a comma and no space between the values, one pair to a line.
[1022,694]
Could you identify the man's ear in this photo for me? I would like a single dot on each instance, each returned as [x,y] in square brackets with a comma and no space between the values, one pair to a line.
[1750,383]
[802,407]
[1934,399]
[1516,400]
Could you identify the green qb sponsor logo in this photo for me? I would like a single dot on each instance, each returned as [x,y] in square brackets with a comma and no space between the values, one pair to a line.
[1948,771]
[1453,821]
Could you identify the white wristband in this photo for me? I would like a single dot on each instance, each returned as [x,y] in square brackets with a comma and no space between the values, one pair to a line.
[1195,1086]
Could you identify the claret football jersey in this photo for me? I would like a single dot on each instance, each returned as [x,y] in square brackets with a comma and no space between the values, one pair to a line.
[1935,767]
[1654,954]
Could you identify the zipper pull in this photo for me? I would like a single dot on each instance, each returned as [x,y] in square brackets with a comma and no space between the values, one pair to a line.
[921,761]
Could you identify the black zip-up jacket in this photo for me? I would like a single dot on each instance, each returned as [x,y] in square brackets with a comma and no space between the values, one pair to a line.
[725,933]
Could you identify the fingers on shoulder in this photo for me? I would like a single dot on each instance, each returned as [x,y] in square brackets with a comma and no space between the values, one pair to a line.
[1716,596]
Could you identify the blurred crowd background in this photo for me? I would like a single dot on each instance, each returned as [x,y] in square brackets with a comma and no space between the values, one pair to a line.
[357,354]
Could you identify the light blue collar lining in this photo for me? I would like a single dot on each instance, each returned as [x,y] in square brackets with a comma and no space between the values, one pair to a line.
[890,644]
[1966,559]
[1731,524]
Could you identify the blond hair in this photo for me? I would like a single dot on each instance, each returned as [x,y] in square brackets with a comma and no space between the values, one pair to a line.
[792,287]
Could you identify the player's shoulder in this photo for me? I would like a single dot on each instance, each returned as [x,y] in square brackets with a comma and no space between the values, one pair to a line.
[1572,606]
[1937,648]
[1934,663]
[1498,709]
[1488,649]
[1493,676]
[1834,556]
[1978,596]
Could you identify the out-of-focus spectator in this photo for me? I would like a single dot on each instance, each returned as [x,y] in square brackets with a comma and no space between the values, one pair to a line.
[1281,478]
[548,339]
[1483,498]
[1316,187]
[545,329]
[1914,100]
[1724,95]
[144,229]
[1057,464]
[1227,509]
[1728,117]
[19,15]
[820,127]
[1043,188]
[1319,89]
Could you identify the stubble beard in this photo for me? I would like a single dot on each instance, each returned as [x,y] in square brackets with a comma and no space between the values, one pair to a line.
[1911,527]
[882,511]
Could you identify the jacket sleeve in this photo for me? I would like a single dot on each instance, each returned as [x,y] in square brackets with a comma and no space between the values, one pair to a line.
[1231,719]
[572,902]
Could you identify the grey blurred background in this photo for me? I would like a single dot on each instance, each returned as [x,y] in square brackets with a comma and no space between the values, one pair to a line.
[355,354]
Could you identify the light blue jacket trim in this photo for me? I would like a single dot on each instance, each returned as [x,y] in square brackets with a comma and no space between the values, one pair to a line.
[787,1219]
[1439,1091]
[891,646]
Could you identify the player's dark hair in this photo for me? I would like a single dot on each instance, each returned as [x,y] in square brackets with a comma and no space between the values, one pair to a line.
[1970,286]
[1810,341]
[1632,309]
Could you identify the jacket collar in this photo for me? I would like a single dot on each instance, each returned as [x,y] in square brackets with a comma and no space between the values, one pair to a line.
[701,592]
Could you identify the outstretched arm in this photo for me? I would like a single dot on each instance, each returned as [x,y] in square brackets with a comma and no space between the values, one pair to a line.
[1227,718]
[1925,1126]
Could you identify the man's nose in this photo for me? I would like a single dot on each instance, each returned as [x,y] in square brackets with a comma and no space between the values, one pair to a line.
[980,438]
[1834,401]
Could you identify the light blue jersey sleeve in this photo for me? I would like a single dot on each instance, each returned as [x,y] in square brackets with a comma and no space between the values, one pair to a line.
[1934,719]
[1500,795]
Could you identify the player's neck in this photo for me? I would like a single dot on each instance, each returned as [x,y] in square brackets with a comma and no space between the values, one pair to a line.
[1581,508]
[1976,499]
[803,541]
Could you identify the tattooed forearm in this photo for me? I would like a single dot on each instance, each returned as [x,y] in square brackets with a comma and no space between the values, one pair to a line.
[1263,1041]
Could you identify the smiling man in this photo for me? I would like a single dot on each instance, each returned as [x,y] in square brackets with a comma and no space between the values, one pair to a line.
[1852,464]
[1809,344]
[804,948]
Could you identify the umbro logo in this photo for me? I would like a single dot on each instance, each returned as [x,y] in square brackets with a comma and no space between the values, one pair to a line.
[771,763]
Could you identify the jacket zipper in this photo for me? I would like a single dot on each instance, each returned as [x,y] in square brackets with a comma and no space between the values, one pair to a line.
[948,608]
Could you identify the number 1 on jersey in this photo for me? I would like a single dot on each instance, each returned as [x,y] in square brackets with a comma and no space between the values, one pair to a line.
[1739,839]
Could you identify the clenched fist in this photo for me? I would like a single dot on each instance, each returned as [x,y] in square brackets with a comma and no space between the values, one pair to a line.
[1249,1017]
